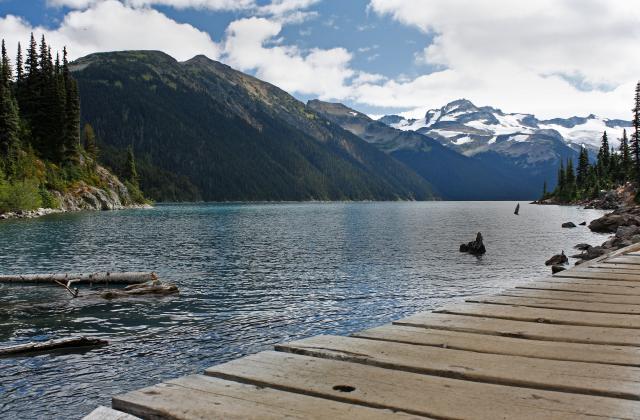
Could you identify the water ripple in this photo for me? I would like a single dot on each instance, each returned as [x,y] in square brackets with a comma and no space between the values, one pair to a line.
[250,276]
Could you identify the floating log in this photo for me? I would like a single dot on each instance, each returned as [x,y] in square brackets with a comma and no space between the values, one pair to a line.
[51,345]
[86,278]
[150,288]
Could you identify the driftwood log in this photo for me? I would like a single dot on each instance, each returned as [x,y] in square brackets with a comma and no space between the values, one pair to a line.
[51,345]
[150,288]
[86,278]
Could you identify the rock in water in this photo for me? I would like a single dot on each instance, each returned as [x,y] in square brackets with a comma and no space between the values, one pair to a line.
[583,224]
[474,247]
[568,225]
[582,246]
[557,268]
[558,259]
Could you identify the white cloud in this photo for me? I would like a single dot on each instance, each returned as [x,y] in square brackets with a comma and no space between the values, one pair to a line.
[178,4]
[109,26]
[282,7]
[324,73]
[543,56]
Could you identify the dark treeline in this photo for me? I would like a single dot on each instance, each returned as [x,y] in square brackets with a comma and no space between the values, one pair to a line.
[41,147]
[612,168]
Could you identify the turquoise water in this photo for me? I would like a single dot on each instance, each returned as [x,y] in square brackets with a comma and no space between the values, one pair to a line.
[250,275]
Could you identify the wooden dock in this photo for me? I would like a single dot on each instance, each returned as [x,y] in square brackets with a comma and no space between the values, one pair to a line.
[564,347]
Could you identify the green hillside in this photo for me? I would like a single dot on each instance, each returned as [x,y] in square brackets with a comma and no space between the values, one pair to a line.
[203,131]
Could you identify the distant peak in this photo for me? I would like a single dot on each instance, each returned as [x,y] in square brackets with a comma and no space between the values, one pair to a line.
[200,58]
[459,104]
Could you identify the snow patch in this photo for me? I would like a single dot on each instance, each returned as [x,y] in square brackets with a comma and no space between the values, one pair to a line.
[462,140]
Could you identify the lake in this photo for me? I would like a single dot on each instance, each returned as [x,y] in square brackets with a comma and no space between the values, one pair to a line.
[250,275]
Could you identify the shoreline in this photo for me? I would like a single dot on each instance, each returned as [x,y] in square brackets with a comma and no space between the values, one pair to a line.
[41,212]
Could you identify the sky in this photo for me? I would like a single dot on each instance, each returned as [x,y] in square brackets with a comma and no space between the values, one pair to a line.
[551,58]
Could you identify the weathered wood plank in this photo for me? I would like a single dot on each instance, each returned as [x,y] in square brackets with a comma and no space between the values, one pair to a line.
[604,380]
[623,259]
[570,305]
[416,393]
[105,413]
[592,282]
[594,353]
[524,329]
[599,274]
[585,288]
[574,296]
[203,397]
[632,268]
[542,315]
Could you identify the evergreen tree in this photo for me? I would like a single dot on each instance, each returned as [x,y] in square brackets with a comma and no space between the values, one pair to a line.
[7,77]
[635,138]
[625,156]
[131,171]
[9,117]
[72,113]
[90,143]
[544,189]
[604,156]
[19,65]
[583,168]
[569,180]
[561,178]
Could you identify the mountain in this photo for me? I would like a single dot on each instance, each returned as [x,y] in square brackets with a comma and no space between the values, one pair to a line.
[519,146]
[203,131]
[472,130]
[455,176]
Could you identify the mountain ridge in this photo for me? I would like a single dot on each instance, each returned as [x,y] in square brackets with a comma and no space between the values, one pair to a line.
[228,136]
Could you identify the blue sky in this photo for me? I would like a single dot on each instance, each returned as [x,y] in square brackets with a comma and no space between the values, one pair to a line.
[378,56]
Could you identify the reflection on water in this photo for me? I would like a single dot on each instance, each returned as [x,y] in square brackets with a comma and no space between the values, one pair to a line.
[250,275]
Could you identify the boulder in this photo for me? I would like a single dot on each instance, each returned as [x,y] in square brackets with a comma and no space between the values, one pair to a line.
[557,268]
[626,232]
[594,252]
[557,259]
[612,221]
[568,225]
[474,247]
[583,224]
[582,246]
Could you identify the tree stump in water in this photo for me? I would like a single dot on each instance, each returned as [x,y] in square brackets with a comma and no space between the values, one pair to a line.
[474,247]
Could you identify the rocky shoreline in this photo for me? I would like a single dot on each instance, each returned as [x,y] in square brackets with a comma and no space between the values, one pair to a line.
[618,198]
[113,195]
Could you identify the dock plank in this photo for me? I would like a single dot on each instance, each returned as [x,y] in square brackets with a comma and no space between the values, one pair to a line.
[604,380]
[592,282]
[632,268]
[210,398]
[524,329]
[415,393]
[573,296]
[543,315]
[612,308]
[602,274]
[594,353]
[105,413]
[623,259]
[578,287]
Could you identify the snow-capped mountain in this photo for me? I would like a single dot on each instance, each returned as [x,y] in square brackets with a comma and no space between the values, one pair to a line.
[472,130]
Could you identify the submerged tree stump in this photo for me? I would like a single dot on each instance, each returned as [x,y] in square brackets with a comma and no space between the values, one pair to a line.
[474,247]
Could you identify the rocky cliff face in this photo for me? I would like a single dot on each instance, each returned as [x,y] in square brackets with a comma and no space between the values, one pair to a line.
[113,196]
